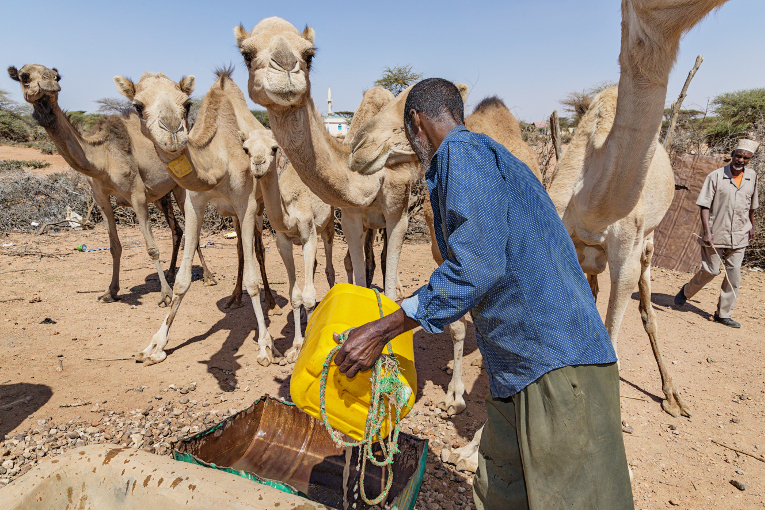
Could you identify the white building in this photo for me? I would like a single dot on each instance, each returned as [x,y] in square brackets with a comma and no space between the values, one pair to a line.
[336,125]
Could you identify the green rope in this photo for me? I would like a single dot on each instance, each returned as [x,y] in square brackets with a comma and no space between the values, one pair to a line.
[386,387]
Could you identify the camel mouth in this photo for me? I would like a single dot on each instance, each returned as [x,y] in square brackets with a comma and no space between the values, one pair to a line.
[285,88]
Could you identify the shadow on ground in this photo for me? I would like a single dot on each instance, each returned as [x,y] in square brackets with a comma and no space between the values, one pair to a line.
[18,401]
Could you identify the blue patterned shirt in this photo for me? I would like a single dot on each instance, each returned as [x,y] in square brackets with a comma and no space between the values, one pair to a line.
[509,260]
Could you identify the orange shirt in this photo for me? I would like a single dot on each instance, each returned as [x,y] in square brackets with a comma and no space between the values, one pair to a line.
[738,179]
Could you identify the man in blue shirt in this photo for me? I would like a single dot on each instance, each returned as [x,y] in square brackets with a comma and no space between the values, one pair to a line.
[553,435]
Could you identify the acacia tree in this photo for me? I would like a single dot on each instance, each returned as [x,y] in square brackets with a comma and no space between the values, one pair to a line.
[398,78]
[578,102]
[113,105]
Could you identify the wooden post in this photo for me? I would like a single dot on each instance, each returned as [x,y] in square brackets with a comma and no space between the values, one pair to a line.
[555,133]
[677,104]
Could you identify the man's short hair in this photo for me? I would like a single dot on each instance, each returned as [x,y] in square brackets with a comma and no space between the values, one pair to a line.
[433,97]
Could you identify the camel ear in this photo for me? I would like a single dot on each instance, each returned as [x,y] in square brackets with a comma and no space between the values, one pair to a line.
[464,89]
[187,84]
[13,73]
[125,87]
[58,76]
[309,34]
[242,137]
[240,34]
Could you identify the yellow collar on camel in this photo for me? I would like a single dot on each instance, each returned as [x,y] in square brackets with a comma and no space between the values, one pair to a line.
[180,166]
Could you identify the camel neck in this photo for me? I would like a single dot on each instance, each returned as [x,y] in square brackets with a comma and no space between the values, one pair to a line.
[86,158]
[320,160]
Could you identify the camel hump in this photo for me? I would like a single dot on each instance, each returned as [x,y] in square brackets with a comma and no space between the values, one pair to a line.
[490,103]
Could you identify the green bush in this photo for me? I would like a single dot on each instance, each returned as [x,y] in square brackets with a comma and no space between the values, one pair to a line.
[15,164]
[14,127]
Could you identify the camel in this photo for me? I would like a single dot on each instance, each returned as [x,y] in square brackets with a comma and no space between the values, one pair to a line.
[279,58]
[615,182]
[210,163]
[297,216]
[117,160]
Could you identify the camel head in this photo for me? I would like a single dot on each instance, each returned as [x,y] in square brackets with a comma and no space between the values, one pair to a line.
[261,147]
[382,141]
[163,106]
[40,87]
[278,58]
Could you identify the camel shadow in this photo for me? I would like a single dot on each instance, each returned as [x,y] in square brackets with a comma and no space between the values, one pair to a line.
[664,302]
[652,396]
[224,364]
[151,285]
[18,401]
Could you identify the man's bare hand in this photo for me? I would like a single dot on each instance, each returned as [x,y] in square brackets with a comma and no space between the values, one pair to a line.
[360,350]
[708,240]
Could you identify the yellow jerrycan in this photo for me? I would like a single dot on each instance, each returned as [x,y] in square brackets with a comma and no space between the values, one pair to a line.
[346,306]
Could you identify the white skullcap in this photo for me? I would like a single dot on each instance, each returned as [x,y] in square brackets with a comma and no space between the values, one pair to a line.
[747,145]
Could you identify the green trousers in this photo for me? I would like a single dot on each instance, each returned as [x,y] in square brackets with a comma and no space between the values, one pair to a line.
[556,444]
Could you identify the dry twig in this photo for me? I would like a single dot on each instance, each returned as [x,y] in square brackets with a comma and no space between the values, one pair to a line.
[754,456]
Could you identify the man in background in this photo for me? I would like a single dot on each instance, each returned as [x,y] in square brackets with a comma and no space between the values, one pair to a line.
[727,201]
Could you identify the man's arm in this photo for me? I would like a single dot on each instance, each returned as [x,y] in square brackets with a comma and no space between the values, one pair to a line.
[705,224]
[751,220]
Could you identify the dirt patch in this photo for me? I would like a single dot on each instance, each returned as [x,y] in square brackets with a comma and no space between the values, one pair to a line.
[57,163]
[720,372]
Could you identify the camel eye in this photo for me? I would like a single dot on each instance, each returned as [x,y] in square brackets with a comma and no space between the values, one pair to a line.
[138,109]
[247,57]
[309,61]
[24,77]
[187,106]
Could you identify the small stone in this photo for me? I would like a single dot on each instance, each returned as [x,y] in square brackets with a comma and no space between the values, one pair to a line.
[674,502]
[157,397]
[183,391]
[676,432]
[92,430]
[739,472]
[3,470]
[735,420]
[672,427]
[627,429]
[8,464]
[739,485]
[148,409]
[710,360]
[184,400]
[171,387]
[193,386]
[95,408]
[73,435]
[449,371]
[42,422]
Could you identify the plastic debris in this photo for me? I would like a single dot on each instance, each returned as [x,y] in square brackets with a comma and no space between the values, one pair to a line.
[8,245]
[230,235]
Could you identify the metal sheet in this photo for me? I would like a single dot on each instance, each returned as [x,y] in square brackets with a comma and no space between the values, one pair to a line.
[675,243]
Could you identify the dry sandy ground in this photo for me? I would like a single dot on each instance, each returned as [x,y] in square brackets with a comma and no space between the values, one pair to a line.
[57,163]
[719,371]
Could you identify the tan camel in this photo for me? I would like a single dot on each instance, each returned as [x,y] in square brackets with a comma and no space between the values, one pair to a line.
[298,217]
[117,160]
[210,163]
[279,59]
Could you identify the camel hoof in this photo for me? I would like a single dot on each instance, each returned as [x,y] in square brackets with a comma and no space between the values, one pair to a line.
[140,357]
[108,297]
[465,458]
[675,408]
[292,355]
[156,358]
[234,302]
[164,302]
[210,281]
[265,359]
[469,464]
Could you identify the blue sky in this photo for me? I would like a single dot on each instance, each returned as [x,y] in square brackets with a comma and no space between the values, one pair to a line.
[530,53]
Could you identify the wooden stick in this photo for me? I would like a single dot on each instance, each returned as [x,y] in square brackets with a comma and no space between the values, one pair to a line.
[12,299]
[754,456]
[555,133]
[677,104]
[634,398]
[108,359]
[19,270]
[77,404]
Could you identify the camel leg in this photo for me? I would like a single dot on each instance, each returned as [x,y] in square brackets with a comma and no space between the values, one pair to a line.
[327,236]
[195,206]
[141,208]
[180,198]
[465,458]
[353,228]
[672,404]
[396,229]
[266,343]
[284,245]
[105,205]
[348,265]
[624,268]
[260,253]
[235,301]
[453,402]
[166,206]
[593,280]
[369,256]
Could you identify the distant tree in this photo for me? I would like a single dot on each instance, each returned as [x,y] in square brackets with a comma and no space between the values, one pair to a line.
[84,121]
[262,116]
[196,103]
[9,105]
[15,121]
[348,116]
[113,105]
[736,115]
[398,78]
[577,103]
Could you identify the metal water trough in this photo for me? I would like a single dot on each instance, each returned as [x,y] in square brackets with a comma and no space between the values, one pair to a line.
[276,444]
